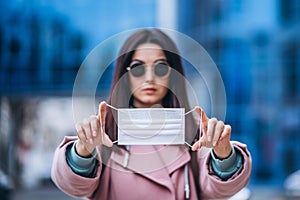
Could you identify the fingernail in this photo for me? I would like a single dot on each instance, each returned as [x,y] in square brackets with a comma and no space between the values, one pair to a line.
[91,141]
[214,143]
[209,138]
[94,133]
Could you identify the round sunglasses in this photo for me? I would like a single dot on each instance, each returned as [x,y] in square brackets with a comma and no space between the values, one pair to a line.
[138,69]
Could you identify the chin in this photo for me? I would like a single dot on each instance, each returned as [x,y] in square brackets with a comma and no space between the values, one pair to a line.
[149,102]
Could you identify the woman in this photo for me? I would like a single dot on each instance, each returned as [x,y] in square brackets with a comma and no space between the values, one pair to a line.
[149,74]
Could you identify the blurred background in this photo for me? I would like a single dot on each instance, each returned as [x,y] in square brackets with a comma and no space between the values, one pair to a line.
[255,44]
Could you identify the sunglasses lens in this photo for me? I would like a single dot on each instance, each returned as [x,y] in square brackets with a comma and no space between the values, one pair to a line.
[137,70]
[161,69]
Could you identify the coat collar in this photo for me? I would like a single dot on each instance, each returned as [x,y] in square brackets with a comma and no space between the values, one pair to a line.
[154,162]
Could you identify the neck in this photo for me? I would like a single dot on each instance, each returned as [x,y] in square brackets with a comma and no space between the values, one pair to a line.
[135,105]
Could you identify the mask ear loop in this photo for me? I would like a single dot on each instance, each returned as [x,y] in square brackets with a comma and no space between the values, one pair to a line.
[189,112]
[112,106]
[184,115]
[200,127]
[114,142]
[126,157]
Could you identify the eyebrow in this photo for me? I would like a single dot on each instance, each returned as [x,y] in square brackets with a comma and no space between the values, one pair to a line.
[160,59]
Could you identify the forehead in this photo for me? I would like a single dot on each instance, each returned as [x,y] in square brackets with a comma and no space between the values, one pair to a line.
[148,51]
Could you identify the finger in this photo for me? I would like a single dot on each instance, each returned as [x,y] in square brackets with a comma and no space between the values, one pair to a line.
[101,114]
[87,130]
[80,132]
[107,141]
[197,145]
[211,128]
[226,132]
[94,125]
[218,132]
[203,117]
[201,114]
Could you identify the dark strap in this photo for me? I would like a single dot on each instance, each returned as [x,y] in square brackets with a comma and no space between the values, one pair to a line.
[195,170]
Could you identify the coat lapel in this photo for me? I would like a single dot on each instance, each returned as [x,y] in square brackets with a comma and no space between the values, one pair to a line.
[154,162]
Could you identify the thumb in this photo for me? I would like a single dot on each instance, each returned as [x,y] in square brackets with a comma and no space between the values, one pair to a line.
[197,145]
[204,119]
[101,114]
[201,114]
[107,141]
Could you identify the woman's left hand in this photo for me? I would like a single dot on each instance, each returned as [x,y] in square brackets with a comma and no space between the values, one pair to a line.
[216,135]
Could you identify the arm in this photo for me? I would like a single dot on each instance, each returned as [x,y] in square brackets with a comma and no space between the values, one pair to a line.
[90,135]
[226,167]
[212,186]
[215,179]
[84,166]
[68,181]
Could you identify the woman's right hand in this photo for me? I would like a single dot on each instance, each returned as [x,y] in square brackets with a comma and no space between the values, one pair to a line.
[91,133]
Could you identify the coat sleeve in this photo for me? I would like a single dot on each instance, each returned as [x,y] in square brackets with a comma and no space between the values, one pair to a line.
[65,179]
[212,186]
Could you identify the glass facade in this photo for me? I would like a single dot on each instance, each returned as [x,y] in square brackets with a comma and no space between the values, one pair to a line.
[257,52]
[44,43]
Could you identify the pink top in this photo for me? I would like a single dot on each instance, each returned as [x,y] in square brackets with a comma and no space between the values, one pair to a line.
[152,172]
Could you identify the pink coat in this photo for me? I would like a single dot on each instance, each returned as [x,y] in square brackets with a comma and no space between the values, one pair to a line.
[148,175]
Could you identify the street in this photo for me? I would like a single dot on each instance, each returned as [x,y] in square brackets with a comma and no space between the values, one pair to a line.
[47,192]
[50,192]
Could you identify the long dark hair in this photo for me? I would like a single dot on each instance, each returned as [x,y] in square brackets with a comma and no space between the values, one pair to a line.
[176,97]
[121,96]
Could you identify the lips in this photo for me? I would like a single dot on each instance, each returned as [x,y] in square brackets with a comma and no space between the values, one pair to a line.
[149,90]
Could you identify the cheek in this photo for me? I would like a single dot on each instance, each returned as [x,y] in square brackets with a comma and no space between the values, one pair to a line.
[163,83]
[134,84]
[164,87]
[164,90]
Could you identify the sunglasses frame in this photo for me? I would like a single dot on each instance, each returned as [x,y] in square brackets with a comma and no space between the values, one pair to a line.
[152,67]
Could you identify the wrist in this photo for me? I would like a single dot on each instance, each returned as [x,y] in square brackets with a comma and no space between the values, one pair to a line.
[223,152]
[82,150]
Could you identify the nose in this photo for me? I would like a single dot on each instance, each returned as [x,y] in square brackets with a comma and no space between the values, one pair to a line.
[149,75]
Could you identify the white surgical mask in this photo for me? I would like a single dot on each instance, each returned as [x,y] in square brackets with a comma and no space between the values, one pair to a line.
[151,126]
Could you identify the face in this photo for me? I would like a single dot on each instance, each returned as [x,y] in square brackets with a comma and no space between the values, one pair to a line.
[148,75]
